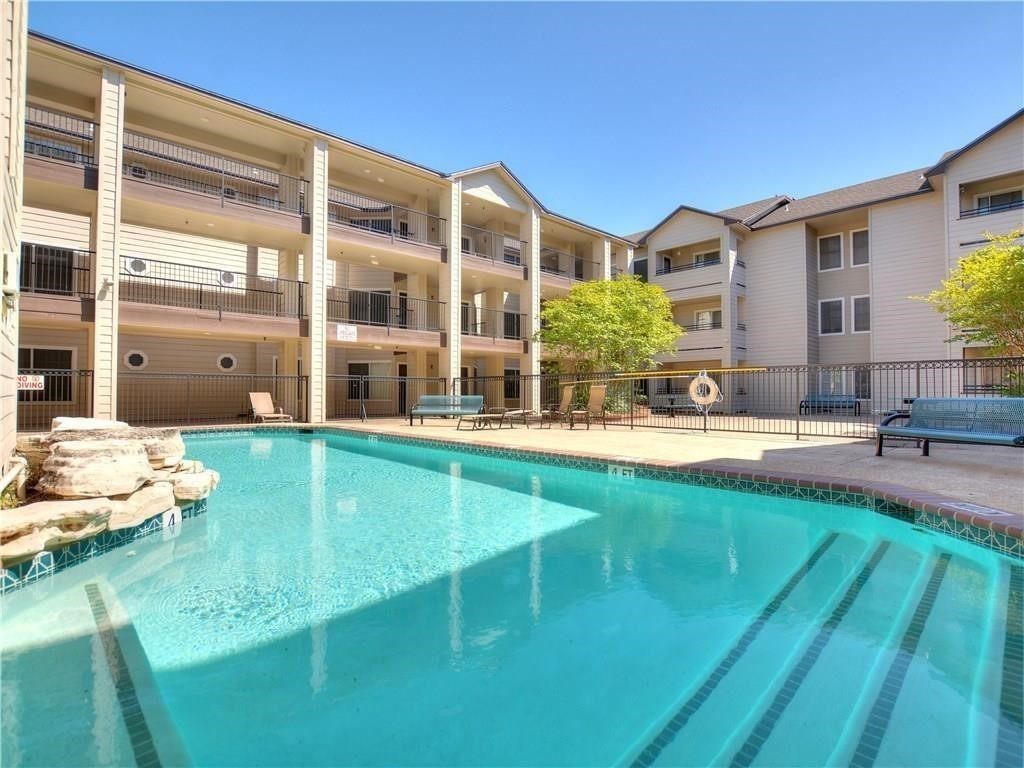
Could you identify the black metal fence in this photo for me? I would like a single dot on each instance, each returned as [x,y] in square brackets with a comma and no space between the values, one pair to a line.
[167,284]
[492,323]
[59,136]
[55,271]
[668,269]
[555,262]
[204,398]
[384,309]
[167,164]
[361,397]
[394,221]
[63,393]
[493,246]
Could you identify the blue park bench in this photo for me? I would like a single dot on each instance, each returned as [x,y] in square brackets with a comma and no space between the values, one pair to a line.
[985,420]
[446,405]
[818,403]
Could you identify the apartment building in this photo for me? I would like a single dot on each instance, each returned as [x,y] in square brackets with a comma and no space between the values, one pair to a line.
[828,278]
[169,231]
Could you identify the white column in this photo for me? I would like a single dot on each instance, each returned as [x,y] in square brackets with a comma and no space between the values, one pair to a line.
[602,256]
[106,241]
[314,272]
[730,253]
[529,231]
[450,285]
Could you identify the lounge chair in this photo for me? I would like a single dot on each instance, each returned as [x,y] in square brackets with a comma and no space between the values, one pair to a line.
[560,412]
[446,406]
[595,407]
[263,408]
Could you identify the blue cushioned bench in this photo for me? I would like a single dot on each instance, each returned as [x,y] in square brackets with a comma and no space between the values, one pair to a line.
[816,403]
[446,405]
[986,420]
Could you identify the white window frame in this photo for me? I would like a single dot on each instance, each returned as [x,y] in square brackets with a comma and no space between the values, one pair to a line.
[853,251]
[234,360]
[853,313]
[694,260]
[129,353]
[369,366]
[842,252]
[842,316]
[989,194]
[710,324]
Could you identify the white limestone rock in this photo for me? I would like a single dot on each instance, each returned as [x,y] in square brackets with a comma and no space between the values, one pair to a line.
[90,468]
[193,486]
[147,502]
[27,530]
[79,424]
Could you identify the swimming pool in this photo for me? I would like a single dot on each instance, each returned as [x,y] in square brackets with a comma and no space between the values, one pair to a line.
[348,602]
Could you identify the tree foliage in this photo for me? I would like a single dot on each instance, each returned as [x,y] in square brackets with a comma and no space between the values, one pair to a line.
[984,295]
[609,325]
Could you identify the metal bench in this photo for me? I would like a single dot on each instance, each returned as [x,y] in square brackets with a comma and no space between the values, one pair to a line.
[818,403]
[984,420]
[446,405]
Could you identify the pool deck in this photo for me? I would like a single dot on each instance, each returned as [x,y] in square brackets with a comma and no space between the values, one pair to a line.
[990,476]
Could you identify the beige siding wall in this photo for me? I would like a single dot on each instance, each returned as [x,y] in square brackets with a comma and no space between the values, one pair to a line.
[180,248]
[60,338]
[908,258]
[13,42]
[842,284]
[56,228]
[191,355]
[812,292]
[776,296]
[491,186]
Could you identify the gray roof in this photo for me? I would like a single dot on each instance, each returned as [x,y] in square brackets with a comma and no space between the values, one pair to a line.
[845,198]
[751,212]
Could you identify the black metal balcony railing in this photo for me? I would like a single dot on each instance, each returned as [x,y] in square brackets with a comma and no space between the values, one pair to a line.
[394,221]
[55,271]
[58,136]
[691,265]
[493,246]
[985,210]
[493,323]
[741,326]
[714,325]
[167,284]
[555,262]
[385,310]
[166,164]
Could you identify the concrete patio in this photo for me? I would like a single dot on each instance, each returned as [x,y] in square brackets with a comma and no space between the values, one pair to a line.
[987,475]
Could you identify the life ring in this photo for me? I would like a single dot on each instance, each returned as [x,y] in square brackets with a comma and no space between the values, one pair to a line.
[704,391]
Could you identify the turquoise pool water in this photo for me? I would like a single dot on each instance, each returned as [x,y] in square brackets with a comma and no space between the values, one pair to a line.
[353,603]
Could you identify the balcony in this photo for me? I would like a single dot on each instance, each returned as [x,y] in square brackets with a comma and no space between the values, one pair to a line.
[493,324]
[987,210]
[50,271]
[383,219]
[714,325]
[231,182]
[562,264]
[702,264]
[203,289]
[384,310]
[495,247]
[53,135]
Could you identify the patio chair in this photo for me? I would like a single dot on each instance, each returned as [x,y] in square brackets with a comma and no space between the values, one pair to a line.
[263,408]
[560,412]
[595,407]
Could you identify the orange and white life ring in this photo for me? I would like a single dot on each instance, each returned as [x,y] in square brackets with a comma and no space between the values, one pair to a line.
[704,391]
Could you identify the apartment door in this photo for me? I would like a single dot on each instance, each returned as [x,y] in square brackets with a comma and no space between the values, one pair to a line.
[403,388]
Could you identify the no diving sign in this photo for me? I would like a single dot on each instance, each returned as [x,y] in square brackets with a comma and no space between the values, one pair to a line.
[32,383]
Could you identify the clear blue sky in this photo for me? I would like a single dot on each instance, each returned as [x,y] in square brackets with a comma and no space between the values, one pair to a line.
[610,113]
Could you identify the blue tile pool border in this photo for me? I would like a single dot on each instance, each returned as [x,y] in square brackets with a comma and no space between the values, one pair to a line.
[1003,533]
[47,564]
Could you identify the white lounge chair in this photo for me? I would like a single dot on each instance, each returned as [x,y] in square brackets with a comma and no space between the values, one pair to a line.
[263,408]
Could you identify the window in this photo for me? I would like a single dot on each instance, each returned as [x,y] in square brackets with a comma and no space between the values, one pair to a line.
[830,252]
[1000,201]
[840,380]
[513,325]
[664,265]
[134,360]
[46,269]
[830,317]
[861,314]
[862,383]
[51,363]
[640,269]
[861,254]
[707,318]
[377,385]
[227,362]
[512,383]
[706,258]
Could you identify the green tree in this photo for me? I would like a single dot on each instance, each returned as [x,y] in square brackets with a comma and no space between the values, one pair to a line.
[984,295]
[609,325]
